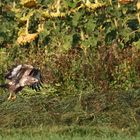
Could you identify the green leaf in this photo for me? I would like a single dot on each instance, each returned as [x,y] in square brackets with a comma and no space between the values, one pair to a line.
[137,44]
[71,4]
[67,42]
[91,41]
[90,25]
[110,36]
[76,18]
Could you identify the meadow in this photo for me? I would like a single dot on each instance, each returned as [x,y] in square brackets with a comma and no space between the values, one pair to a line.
[110,116]
[66,133]
[88,52]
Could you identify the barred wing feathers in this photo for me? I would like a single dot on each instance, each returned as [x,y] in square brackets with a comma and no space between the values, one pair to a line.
[12,73]
[37,75]
[18,71]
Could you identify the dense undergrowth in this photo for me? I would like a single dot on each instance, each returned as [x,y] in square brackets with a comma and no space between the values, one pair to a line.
[76,44]
[88,53]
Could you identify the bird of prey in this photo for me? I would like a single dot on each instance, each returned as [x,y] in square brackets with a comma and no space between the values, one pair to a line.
[20,76]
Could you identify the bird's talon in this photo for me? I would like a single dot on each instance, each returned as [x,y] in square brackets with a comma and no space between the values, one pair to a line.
[13,98]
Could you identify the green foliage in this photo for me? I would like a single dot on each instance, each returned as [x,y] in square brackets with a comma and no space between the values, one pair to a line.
[76,44]
[89,56]
[8,24]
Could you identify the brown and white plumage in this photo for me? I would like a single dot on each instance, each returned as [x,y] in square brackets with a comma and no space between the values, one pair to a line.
[21,76]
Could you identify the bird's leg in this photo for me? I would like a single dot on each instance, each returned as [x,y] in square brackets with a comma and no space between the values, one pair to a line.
[10,96]
[14,96]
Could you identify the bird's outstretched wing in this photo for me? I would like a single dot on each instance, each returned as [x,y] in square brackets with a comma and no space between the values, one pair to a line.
[17,72]
[35,73]
[25,75]
[12,73]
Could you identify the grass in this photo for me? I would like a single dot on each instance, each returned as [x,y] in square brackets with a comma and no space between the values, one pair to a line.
[90,115]
[120,110]
[65,133]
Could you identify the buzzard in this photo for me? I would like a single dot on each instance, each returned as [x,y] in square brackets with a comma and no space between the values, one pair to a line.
[21,76]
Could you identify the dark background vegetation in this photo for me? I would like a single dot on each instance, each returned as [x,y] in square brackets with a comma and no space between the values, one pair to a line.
[89,55]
